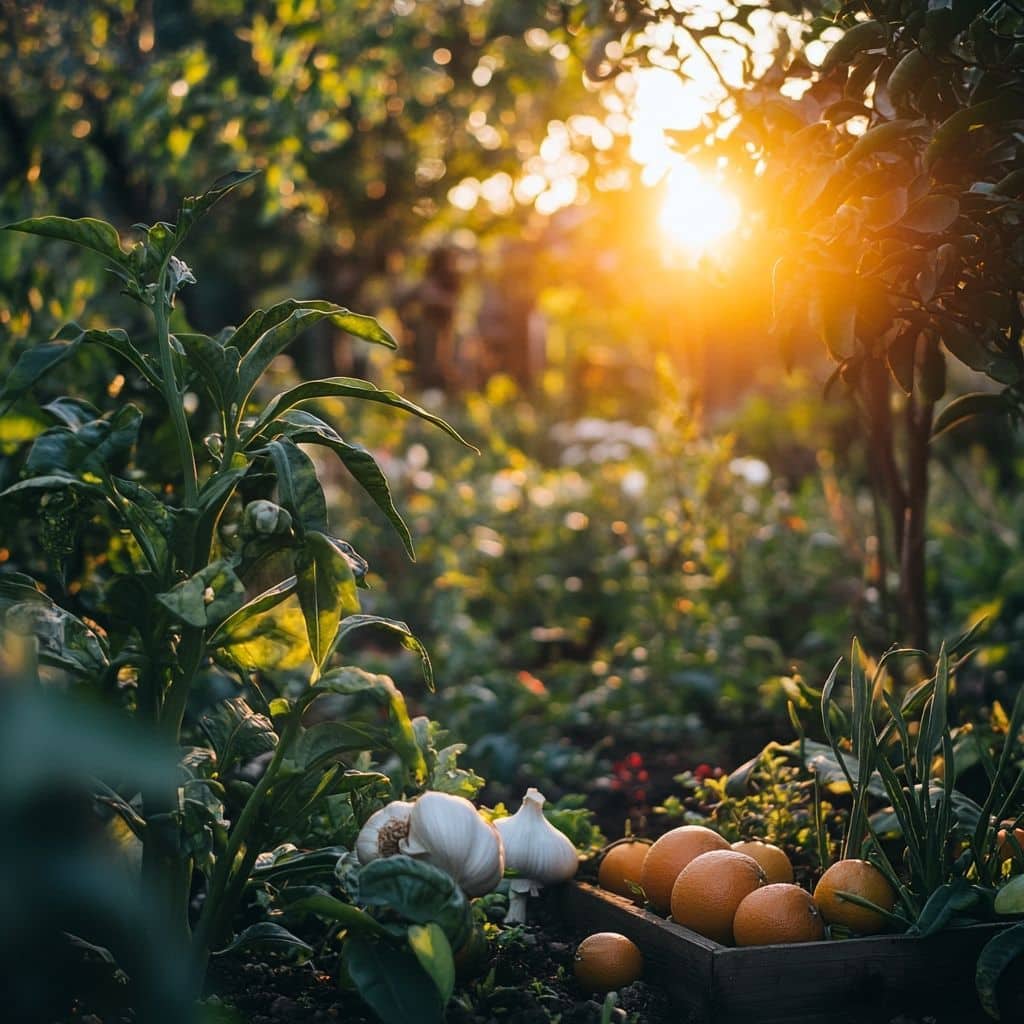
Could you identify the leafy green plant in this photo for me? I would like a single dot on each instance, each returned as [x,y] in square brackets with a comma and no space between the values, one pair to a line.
[224,568]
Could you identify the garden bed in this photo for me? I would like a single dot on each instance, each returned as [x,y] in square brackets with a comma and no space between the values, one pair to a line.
[862,980]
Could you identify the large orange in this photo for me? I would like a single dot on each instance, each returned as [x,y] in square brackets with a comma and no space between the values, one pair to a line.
[606,961]
[777,867]
[669,855]
[775,914]
[862,879]
[622,865]
[710,888]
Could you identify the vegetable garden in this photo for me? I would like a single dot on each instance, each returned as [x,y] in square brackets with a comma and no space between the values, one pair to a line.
[533,533]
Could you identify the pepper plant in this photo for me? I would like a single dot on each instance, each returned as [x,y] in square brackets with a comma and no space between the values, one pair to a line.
[213,567]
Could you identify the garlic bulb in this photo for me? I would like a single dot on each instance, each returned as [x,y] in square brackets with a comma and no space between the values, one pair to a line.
[380,836]
[448,832]
[538,853]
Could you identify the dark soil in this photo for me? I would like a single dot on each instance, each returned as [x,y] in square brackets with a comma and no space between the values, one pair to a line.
[528,981]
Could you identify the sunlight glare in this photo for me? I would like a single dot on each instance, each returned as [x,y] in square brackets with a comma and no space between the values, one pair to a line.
[696,212]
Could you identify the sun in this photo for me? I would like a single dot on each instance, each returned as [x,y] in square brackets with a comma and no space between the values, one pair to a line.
[697,215]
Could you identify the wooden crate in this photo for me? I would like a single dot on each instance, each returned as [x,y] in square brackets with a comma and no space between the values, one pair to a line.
[860,981]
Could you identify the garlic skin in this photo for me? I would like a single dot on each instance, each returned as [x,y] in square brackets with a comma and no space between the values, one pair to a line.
[448,832]
[536,851]
[383,831]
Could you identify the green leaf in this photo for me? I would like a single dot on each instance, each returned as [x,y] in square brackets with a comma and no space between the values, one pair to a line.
[346,387]
[931,373]
[214,365]
[264,602]
[883,135]
[237,733]
[900,358]
[834,315]
[207,598]
[943,904]
[1006,106]
[305,428]
[327,741]
[912,69]
[298,488]
[87,232]
[862,37]
[932,214]
[314,899]
[326,590]
[64,640]
[1010,898]
[267,937]
[979,403]
[92,448]
[277,328]
[391,982]
[353,623]
[418,892]
[999,952]
[194,207]
[431,947]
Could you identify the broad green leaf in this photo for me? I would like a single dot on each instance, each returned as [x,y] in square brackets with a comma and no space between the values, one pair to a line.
[1006,106]
[979,403]
[326,741]
[264,602]
[267,937]
[207,598]
[87,232]
[215,366]
[912,69]
[237,733]
[431,947]
[64,640]
[194,207]
[418,892]
[391,982]
[147,514]
[314,899]
[272,641]
[883,135]
[1010,898]
[932,214]
[305,428]
[326,588]
[943,904]
[834,315]
[72,412]
[346,387]
[298,488]
[273,340]
[999,952]
[53,482]
[900,358]
[864,36]
[92,448]
[882,211]
[405,635]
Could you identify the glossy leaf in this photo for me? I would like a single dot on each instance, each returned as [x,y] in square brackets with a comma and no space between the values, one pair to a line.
[88,232]
[1010,898]
[955,129]
[353,623]
[267,937]
[347,387]
[327,741]
[93,448]
[207,598]
[999,952]
[965,407]
[326,588]
[237,733]
[215,366]
[298,488]
[270,598]
[418,892]
[932,215]
[391,982]
[431,947]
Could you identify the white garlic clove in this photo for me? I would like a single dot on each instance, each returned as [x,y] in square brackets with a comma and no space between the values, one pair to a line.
[383,831]
[448,832]
[534,848]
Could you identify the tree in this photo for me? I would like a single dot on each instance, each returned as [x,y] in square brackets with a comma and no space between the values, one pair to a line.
[886,174]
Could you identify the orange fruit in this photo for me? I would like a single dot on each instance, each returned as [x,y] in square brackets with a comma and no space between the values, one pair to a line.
[777,867]
[775,914]
[606,961]
[1006,849]
[710,888]
[621,865]
[669,855]
[862,879]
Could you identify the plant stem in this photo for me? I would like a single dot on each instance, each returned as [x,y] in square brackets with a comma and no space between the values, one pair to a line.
[217,906]
[172,394]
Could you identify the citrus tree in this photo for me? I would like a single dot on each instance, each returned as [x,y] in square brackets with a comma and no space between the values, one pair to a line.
[877,147]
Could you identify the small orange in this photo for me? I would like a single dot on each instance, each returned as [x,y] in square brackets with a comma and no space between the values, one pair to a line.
[862,879]
[710,888]
[776,914]
[1006,848]
[669,855]
[777,867]
[606,961]
[621,865]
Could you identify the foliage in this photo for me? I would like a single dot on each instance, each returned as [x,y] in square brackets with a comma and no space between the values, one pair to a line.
[888,180]
[208,577]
